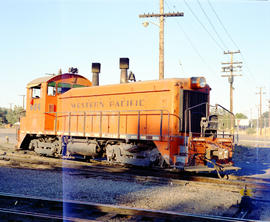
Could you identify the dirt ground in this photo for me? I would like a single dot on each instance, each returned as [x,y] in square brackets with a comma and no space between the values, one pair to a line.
[10,133]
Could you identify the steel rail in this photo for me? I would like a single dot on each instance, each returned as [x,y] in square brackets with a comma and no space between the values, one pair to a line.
[12,215]
[154,175]
[93,211]
[164,174]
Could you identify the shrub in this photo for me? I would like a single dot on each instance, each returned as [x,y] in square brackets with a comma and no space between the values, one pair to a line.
[251,131]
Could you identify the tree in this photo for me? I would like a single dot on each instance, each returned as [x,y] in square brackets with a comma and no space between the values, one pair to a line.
[240,116]
[3,113]
[265,115]
[14,115]
[264,118]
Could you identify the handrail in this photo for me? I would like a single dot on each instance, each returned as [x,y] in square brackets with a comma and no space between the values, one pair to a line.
[103,113]
[112,111]
[231,131]
[224,109]
[206,113]
[188,109]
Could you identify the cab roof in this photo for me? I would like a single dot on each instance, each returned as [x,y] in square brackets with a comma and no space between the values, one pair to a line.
[38,81]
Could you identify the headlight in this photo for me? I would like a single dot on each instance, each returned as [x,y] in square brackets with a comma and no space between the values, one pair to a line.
[202,82]
[198,82]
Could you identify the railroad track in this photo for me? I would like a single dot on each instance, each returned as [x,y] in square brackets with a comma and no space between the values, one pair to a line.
[28,159]
[31,208]
[153,176]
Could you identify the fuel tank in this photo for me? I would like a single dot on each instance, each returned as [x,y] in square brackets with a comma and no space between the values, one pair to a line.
[84,149]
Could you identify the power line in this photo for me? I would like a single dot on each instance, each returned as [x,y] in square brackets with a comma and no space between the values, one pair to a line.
[230,37]
[221,23]
[213,27]
[247,67]
[161,17]
[198,20]
[191,43]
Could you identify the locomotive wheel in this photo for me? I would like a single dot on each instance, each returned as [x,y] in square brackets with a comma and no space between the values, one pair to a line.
[46,146]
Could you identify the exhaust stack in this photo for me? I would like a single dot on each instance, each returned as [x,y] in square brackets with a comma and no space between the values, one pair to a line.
[124,66]
[95,76]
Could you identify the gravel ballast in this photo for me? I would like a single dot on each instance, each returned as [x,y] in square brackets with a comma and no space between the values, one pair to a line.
[43,182]
[56,184]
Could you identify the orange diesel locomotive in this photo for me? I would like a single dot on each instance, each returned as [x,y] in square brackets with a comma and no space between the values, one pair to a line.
[161,122]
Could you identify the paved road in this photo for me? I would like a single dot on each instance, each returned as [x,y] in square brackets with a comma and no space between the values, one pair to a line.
[255,141]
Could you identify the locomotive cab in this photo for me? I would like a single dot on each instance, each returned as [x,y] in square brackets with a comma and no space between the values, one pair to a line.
[41,103]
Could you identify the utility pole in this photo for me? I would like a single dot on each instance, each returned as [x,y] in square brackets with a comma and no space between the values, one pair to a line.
[269,115]
[161,17]
[23,96]
[231,67]
[10,106]
[260,108]
[60,71]
[257,122]
[251,117]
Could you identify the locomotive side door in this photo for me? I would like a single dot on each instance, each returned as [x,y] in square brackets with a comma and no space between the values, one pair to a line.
[34,108]
[50,107]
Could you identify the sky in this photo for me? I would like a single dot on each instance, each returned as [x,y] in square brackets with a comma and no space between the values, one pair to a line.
[40,36]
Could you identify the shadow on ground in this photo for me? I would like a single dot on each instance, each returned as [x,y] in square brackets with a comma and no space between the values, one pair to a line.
[252,161]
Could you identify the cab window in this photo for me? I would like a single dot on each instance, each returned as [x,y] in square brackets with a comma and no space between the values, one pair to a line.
[51,90]
[77,86]
[63,87]
[36,91]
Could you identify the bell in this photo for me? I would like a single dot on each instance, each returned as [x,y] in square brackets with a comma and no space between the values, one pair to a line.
[131,77]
